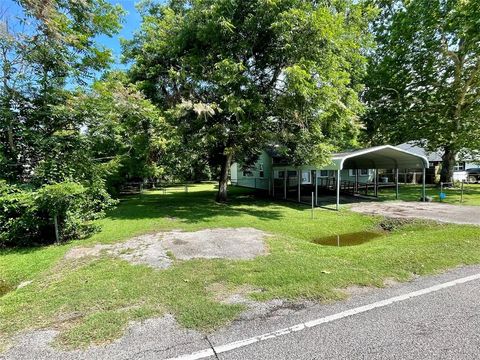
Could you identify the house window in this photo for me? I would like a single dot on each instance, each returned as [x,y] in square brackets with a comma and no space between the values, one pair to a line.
[261,172]
[323,173]
[247,172]
[306,177]
[361,172]
[279,174]
[460,166]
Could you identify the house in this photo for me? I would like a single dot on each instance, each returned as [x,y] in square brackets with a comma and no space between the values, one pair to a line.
[353,172]
[460,172]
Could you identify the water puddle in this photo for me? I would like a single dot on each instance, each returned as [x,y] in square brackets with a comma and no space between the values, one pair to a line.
[349,239]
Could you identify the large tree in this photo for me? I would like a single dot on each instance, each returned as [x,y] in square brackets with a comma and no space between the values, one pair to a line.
[123,132]
[423,82]
[235,76]
[51,49]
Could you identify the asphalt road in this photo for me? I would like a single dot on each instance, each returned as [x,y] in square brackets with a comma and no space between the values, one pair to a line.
[440,325]
[435,317]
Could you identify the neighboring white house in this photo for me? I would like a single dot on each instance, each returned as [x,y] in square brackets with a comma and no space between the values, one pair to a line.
[460,172]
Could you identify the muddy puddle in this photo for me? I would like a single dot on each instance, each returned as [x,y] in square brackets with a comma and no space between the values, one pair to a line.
[350,239]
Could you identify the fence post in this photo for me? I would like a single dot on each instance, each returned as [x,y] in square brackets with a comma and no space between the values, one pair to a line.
[461,194]
[57,235]
[312,202]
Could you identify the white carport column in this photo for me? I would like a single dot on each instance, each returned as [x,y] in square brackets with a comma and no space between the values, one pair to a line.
[338,189]
[299,173]
[396,183]
[423,185]
[285,184]
[316,188]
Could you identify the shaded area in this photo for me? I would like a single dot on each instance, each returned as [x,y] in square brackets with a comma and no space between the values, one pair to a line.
[195,206]
[4,287]
[349,239]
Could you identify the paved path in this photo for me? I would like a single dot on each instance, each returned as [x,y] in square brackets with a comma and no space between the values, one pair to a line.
[457,214]
[435,317]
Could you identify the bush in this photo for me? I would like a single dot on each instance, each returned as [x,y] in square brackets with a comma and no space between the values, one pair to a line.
[61,211]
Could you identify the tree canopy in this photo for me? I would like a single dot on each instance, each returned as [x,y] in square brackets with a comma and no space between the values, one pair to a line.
[236,76]
[423,81]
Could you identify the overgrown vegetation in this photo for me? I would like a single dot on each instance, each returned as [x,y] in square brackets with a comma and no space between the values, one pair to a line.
[53,213]
[91,300]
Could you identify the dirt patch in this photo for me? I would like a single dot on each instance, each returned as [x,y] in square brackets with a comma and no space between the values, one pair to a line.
[229,243]
[82,252]
[353,290]
[5,287]
[457,214]
[156,250]
[145,249]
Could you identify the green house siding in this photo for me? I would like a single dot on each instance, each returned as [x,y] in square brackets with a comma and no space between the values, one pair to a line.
[260,176]
[257,176]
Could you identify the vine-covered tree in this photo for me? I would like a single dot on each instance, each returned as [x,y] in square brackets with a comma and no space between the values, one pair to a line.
[235,76]
[423,82]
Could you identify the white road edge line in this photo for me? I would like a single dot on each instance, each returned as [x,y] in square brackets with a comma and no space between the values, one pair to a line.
[309,324]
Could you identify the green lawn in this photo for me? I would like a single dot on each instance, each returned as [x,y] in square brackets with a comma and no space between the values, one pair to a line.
[92,300]
[471,194]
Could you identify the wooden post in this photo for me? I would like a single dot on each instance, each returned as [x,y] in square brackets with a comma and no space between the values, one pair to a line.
[57,233]
[461,194]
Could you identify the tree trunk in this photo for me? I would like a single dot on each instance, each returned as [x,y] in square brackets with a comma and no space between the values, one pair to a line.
[448,162]
[222,181]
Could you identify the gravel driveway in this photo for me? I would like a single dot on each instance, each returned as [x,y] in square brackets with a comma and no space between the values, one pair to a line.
[457,214]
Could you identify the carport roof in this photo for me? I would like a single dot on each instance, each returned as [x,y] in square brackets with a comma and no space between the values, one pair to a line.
[377,157]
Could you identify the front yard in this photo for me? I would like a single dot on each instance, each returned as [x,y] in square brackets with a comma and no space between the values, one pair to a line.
[92,299]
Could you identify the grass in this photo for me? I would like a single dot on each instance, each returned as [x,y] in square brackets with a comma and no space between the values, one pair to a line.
[471,194]
[92,300]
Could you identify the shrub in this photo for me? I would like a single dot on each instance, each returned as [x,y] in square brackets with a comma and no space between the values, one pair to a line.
[55,212]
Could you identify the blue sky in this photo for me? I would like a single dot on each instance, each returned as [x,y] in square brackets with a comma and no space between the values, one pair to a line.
[130,24]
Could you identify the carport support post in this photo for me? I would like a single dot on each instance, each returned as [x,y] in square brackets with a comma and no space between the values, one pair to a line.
[375,183]
[396,184]
[316,188]
[285,184]
[423,185]
[299,173]
[338,190]
[356,182]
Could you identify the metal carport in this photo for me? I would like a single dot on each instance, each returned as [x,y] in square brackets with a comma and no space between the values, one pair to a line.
[378,157]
